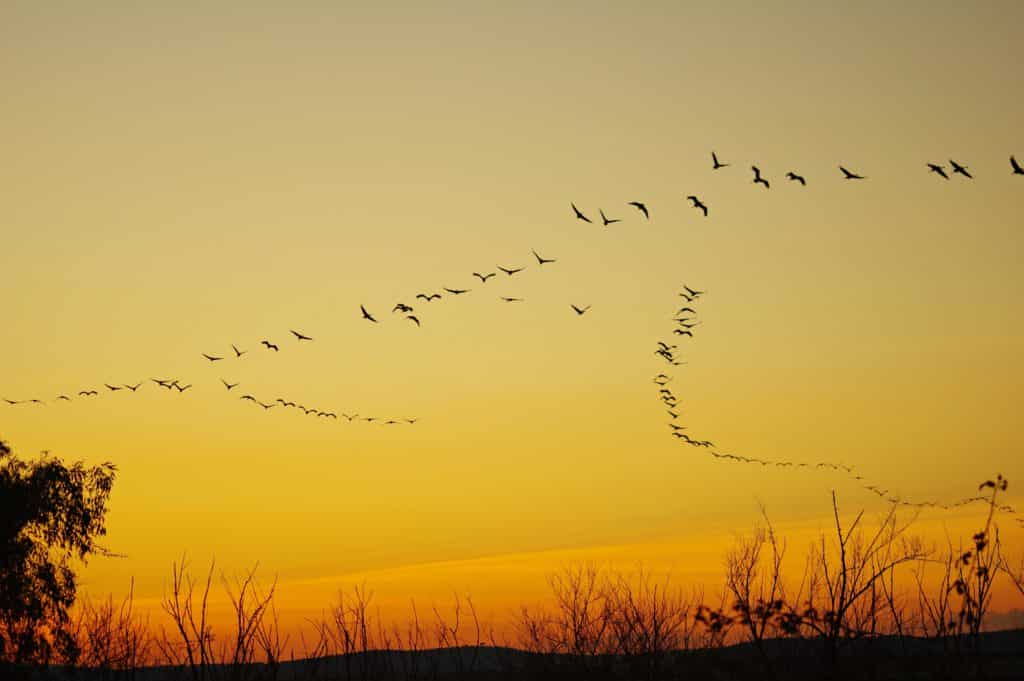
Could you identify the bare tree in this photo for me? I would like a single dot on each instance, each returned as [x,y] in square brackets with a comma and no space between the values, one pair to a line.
[843,596]
[112,638]
[192,641]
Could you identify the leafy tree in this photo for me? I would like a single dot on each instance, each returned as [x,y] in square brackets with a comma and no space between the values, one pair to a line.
[51,515]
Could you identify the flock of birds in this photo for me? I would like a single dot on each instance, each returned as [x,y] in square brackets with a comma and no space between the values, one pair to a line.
[684,318]
[299,337]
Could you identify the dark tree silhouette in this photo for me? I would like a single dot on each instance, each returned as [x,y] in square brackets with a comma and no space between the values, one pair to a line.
[51,515]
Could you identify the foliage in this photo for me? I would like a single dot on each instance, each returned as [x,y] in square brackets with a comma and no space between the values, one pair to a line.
[51,515]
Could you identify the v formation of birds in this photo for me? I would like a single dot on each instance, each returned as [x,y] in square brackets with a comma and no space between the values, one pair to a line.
[684,318]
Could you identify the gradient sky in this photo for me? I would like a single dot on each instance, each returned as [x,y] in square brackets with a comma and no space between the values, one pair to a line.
[177,179]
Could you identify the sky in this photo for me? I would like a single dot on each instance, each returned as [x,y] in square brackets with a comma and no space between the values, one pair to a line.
[180,179]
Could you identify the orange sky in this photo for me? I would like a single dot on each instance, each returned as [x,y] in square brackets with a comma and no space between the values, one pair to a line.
[181,179]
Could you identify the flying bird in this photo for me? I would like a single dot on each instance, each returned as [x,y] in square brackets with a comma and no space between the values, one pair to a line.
[456,291]
[181,388]
[270,346]
[227,385]
[540,260]
[212,358]
[683,332]
[247,397]
[579,215]
[959,169]
[484,277]
[133,388]
[88,393]
[367,315]
[848,175]
[512,300]
[113,388]
[698,204]
[686,309]
[299,336]
[429,297]
[166,383]
[578,310]
[1017,169]
[238,353]
[693,292]
[13,402]
[606,220]
[63,397]
[265,405]
[717,165]
[758,179]
[640,207]
[401,307]
[511,271]
[938,170]
[412,318]
[796,178]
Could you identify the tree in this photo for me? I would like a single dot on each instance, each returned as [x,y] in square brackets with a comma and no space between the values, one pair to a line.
[51,516]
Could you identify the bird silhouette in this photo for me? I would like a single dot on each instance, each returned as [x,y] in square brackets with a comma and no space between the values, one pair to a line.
[88,393]
[542,261]
[367,315]
[698,204]
[428,297]
[113,388]
[848,175]
[411,421]
[484,277]
[212,358]
[133,388]
[182,388]
[350,416]
[270,346]
[758,179]
[227,385]
[716,165]
[511,300]
[960,170]
[247,397]
[938,170]
[511,271]
[413,319]
[606,220]
[13,402]
[640,207]
[579,310]
[299,336]
[456,291]
[265,405]
[796,178]
[579,215]
[1017,169]
[165,383]
[401,307]
[686,309]
[693,293]
[683,332]
[238,353]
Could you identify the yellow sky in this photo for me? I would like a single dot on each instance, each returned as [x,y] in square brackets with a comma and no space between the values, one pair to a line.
[179,179]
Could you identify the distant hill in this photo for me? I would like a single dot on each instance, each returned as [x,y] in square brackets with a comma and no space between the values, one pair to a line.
[1001,656]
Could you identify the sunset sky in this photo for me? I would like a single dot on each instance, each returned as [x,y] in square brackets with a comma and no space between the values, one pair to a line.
[177,179]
